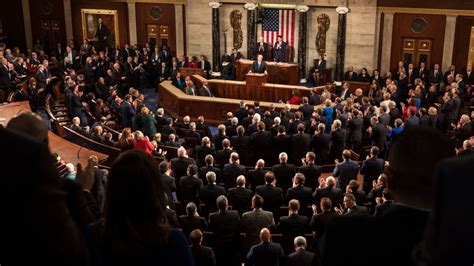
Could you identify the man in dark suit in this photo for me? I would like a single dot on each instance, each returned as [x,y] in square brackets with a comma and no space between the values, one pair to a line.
[253,221]
[300,257]
[272,195]
[232,170]
[239,197]
[306,109]
[223,156]
[281,142]
[354,130]
[311,171]
[241,143]
[203,150]
[209,167]
[292,226]
[435,76]
[169,184]
[261,143]
[350,75]
[128,111]
[179,165]
[378,135]
[351,208]
[338,140]
[205,90]
[301,193]
[346,171]
[451,72]
[371,168]
[421,72]
[330,191]
[190,186]
[265,253]
[210,192]
[204,65]
[320,218]
[320,144]
[300,144]
[259,66]
[284,172]
[203,256]
[163,72]
[384,204]
[225,226]
[256,177]
[241,112]
[279,50]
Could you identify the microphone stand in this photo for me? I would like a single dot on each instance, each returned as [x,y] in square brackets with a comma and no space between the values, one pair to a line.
[80,148]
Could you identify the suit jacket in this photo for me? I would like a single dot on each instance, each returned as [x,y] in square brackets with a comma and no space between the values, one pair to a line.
[179,166]
[300,145]
[300,257]
[240,198]
[259,69]
[265,254]
[307,111]
[241,146]
[338,143]
[209,194]
[205,169]
[303,194]
[320,146]
[231,172]
[203,256]
[222,157]
[128,113]
[371,170]
[272,198]
[334,194]
[279,52]
[379,136]
[319,222]
[206,67]
[205,92]
[261,144]
[280,144]
[292,226]
[191,91]
[255,178]
[350,77]
[284,174]
[190,190]
[312,173]
[354,127]
[190,223]
[435,78]
[345,172]
[252,222]
[320,65]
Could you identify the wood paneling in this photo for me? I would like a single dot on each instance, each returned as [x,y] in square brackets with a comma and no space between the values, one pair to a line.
[462,40]
[46,10]
[122,9]
[435,29]
[451,4]
[13,26]
[167,19]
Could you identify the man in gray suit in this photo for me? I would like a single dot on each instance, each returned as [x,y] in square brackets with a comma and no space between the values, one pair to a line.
[346,171]
[253,221]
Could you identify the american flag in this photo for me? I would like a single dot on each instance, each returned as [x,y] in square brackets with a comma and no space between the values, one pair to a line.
[278,22]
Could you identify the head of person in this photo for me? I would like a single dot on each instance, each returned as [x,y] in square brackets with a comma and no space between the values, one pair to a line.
[349,200]
[257,202]
[240,181]
[222,203]
[413,157]
[300,243]
[294,205]
[330,181]
[144,204]
[191,209]
[269,177]
[325,204]
[260,58]
[211,177]
[30,124]
[283,157]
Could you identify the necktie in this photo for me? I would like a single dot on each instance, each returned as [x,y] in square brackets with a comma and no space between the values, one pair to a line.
[202,65]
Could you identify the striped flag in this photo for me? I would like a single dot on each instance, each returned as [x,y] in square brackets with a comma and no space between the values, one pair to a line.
[278,22]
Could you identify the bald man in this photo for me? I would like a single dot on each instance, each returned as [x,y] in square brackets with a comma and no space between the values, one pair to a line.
[265,253]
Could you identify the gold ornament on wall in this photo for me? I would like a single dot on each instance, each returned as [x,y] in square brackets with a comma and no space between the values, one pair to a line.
[323,26]
[236,23]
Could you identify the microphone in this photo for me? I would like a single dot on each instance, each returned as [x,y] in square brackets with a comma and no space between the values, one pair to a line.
[80,148]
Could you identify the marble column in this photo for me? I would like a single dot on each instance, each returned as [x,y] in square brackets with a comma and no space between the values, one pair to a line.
[251,30]
[341,42]
[68,19]
[216,49]
[386,42]
[302,33]
[448,47]
[178,14]
[27,22]
[132,23]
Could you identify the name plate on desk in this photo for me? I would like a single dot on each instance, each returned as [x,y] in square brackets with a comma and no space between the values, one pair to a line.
[255,79]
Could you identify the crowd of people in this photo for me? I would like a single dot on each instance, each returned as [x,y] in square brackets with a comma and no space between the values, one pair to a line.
[193,208]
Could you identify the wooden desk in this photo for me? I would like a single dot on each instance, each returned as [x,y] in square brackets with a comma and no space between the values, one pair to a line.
[67,150]
[279,73]
[267,92]
[188,71]
[214,109]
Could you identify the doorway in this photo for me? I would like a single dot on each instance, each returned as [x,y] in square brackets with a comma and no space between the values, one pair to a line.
[157,35]
[416,51]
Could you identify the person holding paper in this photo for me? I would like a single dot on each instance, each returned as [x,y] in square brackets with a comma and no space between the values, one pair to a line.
[259,66]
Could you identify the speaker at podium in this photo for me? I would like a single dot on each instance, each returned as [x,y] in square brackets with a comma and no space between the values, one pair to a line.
[256,79]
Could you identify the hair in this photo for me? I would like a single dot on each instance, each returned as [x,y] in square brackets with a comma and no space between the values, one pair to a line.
[124,139]
[311,156]
[326,204]
[192,169]
[330,181]
[240,180]
[299,178]
[294,205]
[350,196]
[126,208]
[195,237]
[353,185]
[234,157]
[240,130]
[374,150]
[222,203]
[283,157]
[257,201]
[163,167]
[300,242]
[346,154]
[191,209]
[211,177]
[209,159]
[269,177]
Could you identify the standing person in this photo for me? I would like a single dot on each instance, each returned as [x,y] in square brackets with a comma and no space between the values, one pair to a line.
[259,66]
[262,48]
[279,49]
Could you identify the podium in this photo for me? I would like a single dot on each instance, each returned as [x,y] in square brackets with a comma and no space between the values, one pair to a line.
[255,79]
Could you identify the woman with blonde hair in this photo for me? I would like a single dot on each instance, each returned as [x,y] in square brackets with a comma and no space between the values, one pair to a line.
[141,142]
